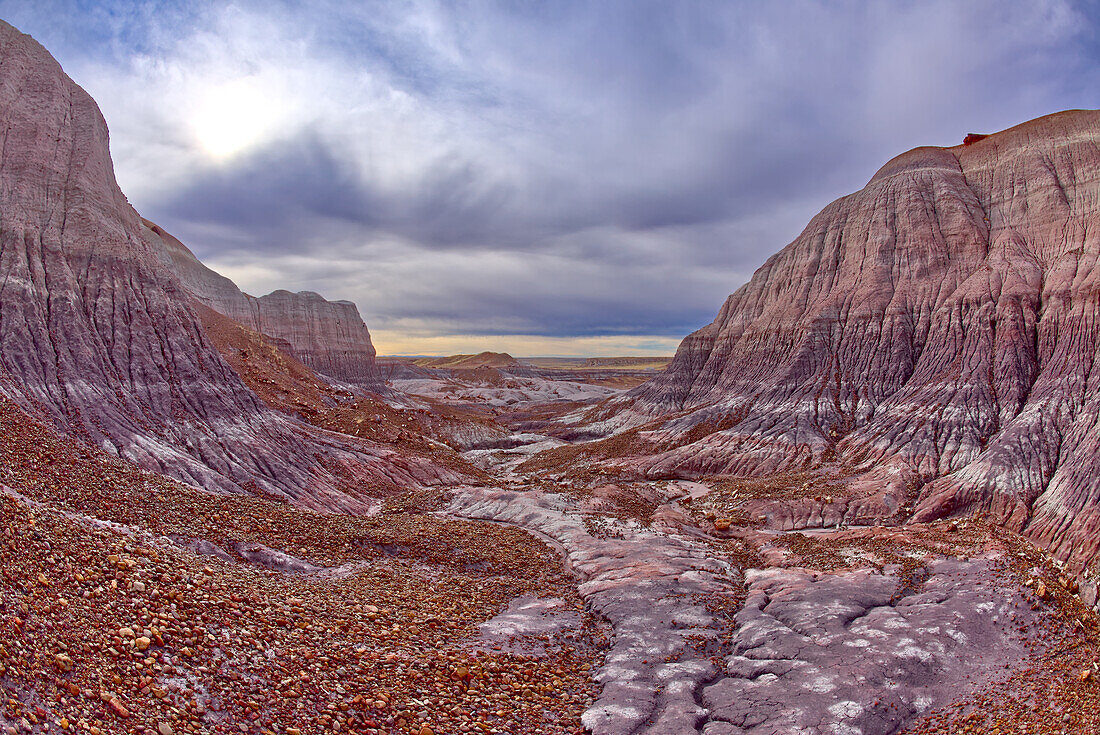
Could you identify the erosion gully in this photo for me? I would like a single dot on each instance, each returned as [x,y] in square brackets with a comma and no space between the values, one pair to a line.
[857,652]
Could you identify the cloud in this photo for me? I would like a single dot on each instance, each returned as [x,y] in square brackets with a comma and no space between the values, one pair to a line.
[550,169]
[486,292]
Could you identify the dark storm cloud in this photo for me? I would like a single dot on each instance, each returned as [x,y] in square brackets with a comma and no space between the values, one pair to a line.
[566,168]
[274,187]
[281,190]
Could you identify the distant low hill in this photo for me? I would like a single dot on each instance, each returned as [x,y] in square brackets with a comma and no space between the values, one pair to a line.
[599,363]
[504,360]
[467,362]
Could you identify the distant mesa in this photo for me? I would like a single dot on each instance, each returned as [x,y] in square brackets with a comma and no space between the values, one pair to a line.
[640,364]
[468,362]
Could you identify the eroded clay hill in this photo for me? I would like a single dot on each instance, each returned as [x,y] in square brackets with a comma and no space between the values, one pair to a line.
[99,338]
[938,329]
[328,336]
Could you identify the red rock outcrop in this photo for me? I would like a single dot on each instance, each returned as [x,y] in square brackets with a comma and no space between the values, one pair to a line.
[328,336]
[98,337]
[938,329]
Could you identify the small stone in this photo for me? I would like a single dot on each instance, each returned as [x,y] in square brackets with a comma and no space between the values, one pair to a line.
[165,729]
[142,643]
[118,707]
[63,662]
[722,524]
[43,581]
[1086,674]
[126,633]
[137,587]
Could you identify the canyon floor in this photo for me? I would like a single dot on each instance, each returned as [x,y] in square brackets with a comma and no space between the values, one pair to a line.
[541,599]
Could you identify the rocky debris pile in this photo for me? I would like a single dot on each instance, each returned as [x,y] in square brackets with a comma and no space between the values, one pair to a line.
[49,468]
[591,461]
[791,501]
[129,608]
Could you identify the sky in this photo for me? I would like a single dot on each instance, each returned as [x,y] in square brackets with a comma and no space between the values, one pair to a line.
[542,178]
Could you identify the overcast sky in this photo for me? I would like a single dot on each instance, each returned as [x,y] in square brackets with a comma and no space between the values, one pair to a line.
[537,177]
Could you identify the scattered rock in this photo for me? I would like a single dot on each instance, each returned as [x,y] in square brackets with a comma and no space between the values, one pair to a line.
[118,707]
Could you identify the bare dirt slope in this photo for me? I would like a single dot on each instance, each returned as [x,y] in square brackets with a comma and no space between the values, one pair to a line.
[131,603]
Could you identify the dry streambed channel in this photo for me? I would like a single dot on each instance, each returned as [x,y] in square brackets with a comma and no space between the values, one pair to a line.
[701,645]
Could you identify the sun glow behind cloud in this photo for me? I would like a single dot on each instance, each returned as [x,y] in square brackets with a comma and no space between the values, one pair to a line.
[233,117]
